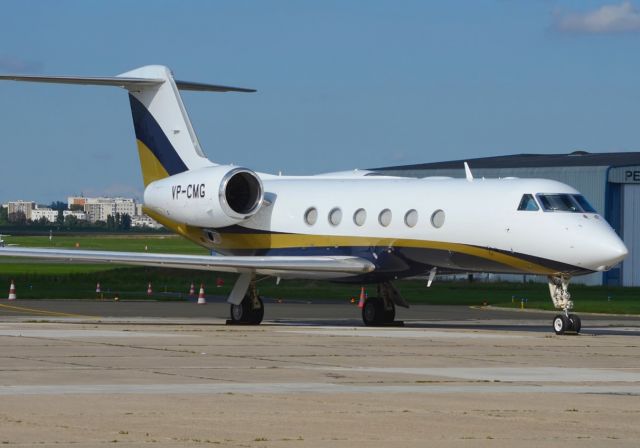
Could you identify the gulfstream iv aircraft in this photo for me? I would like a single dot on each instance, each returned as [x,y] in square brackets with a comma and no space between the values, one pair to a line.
[357,227]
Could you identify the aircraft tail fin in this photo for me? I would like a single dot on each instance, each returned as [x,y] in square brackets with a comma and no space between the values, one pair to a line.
[167,143]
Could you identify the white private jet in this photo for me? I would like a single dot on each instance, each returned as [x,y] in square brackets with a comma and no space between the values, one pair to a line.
[358,227]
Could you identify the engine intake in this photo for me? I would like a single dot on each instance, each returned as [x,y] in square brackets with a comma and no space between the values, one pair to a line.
[240,192]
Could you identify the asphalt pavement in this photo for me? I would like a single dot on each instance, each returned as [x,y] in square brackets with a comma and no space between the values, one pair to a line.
[304,312]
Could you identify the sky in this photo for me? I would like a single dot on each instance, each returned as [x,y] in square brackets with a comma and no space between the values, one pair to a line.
[341,84]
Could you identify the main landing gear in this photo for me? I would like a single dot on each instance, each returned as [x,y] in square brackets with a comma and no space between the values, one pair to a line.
[250,310]
[247,308]
[559,290]
[381,310]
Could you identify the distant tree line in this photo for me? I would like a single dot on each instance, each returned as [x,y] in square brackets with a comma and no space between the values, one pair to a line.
[118,222]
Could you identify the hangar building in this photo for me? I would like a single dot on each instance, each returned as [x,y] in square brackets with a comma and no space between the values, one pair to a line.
[610,181]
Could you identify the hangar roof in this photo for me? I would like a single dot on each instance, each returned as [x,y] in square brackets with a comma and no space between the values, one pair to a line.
[577,158]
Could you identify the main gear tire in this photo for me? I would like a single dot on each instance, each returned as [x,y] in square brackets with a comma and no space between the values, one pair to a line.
[245,313]
[373,311]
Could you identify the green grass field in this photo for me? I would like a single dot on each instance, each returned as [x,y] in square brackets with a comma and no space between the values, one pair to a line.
[129,243]
[40,280]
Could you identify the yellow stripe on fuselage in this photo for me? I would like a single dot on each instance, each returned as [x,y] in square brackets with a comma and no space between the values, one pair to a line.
[189,232]
[152,169]
[263,241]
[231,241]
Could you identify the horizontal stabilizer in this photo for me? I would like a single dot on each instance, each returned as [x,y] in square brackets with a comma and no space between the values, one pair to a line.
[200,87]
[267,265]
[94,81]
[124,82]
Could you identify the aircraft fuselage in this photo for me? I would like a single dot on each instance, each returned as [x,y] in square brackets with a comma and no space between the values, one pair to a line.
[406,226]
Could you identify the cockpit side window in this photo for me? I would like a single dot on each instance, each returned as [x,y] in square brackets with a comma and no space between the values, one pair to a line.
[528,203]
[559,203]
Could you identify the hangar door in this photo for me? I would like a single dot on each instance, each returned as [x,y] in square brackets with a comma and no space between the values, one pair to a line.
[631,234]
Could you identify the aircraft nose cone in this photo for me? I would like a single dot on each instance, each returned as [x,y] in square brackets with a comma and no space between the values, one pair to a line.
[612,252]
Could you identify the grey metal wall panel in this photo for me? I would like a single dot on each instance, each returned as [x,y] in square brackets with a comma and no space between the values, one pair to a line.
[630,235]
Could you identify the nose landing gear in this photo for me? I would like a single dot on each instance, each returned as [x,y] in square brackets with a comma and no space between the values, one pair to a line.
[559,290]
[566,322]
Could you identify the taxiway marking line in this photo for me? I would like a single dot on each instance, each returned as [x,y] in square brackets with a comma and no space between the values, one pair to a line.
[44,312]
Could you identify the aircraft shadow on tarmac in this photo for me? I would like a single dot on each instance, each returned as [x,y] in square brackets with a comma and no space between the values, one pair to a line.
[542,327]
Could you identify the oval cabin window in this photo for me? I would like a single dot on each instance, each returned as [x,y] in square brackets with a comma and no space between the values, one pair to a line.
[437,219]
[335,216]
[385,217]
[411,218]
[359,217]
[311,216]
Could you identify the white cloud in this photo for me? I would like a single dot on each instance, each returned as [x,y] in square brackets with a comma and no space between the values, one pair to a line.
[614,18]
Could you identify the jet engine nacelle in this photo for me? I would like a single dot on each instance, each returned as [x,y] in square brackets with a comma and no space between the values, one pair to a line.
[216,196]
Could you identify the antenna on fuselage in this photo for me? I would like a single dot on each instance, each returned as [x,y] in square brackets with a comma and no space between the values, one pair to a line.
[467,172]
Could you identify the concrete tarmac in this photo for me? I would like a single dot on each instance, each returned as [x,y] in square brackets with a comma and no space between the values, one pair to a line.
[173,374]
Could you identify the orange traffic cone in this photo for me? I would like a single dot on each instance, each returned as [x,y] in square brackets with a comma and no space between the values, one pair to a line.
[192,290]
[12,291]
[362,298]
[149,290]
[98,288]
[201,299]
[219,282]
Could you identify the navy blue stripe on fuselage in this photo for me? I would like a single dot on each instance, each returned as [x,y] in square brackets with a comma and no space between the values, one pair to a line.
[403,262]
[428,257]
[149,132]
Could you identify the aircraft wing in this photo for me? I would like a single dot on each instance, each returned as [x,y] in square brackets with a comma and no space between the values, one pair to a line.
[269,265]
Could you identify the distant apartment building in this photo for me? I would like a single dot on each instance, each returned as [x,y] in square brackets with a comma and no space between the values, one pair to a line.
[49,214]
[85,209]
[144,221]
[78,201]
[99,209]
[125,206]
[25,207]
[80,216]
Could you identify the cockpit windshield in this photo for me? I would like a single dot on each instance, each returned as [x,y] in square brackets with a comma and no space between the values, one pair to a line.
[573,203]
[588,208]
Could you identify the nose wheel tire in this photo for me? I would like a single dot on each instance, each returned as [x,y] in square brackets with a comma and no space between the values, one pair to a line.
[562,323]
[575,323]
[247,313]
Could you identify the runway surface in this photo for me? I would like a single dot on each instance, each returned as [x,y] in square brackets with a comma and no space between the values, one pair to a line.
[170,373]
